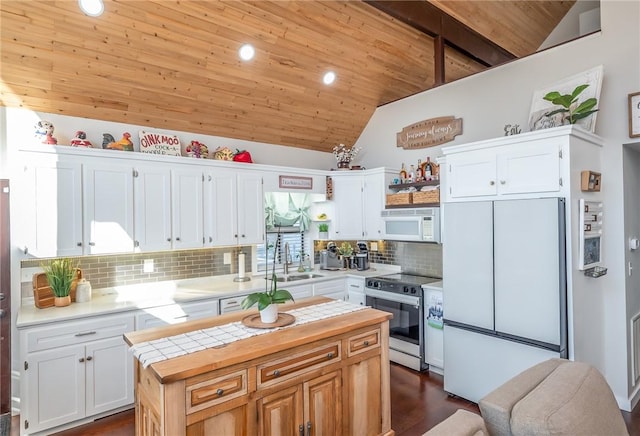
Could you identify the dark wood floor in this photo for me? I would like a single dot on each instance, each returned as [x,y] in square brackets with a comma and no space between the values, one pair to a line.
[418,402]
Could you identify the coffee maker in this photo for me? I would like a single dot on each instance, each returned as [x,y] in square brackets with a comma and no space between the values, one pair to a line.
[362,256]
[329,258]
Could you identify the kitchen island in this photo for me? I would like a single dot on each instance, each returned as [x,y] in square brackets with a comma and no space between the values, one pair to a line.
[329,376]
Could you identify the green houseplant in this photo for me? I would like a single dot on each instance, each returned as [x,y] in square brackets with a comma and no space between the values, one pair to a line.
[269,299]
[60,274]
[570,106]
[323,230]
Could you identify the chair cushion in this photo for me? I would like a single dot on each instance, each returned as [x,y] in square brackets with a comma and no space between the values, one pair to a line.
[461,423]
[574,399]
[496,407]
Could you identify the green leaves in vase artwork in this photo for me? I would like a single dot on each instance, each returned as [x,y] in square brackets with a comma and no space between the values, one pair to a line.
[569,102]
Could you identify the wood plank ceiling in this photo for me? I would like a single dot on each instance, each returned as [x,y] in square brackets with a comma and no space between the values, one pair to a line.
[174,64]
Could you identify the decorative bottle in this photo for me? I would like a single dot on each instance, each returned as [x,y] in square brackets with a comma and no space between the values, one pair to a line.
[403,174]
[419,172]
[412,174]
[427,169]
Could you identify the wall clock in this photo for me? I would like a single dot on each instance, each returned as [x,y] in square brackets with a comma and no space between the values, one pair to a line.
[634,115]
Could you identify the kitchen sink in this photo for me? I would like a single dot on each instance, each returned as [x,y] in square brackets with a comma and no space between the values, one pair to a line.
[296,277]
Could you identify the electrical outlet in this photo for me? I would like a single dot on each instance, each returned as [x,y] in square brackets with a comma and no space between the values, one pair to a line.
[26,274]
[373,246]
[147,266]
[227,259]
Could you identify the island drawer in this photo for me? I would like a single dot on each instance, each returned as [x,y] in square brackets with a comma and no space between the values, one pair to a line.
[363,342]
[299,363]
[76,332]
[208,393]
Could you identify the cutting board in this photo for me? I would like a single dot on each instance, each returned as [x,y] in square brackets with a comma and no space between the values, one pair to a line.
[42,293]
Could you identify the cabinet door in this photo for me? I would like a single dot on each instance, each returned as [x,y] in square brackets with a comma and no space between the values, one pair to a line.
[526,168]
[323,405]
[221,210]
[472,174]
[55,387]
[331,289]
[364,394]
[152,210]
[347,197]
[108,208]
[187,215]
[53,209]
[281,414]
[373,197]
[250,209]
[109,375]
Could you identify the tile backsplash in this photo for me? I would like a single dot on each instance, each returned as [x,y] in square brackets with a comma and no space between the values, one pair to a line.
[127,269]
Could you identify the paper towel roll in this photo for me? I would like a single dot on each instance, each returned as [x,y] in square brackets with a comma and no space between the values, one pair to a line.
[241,265]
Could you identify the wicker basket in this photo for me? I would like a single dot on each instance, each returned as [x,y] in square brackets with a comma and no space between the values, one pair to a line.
[432,196]
[402,198]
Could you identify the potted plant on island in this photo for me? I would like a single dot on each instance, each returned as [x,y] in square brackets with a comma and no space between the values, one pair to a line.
[269,299]
[60,275]
[323,231]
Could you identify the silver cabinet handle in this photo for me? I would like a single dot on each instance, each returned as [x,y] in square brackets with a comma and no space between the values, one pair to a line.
[89,358]
[502,182]
[92,244]
[168,239]
[79,244]
[329,355]
[492,182]
[219,392]
[366,343]
[177,239]
[85,333]
[81,360]
[276,373]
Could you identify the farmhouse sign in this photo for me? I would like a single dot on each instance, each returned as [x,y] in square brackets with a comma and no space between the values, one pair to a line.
[159,143]
[428,133]
[295,182]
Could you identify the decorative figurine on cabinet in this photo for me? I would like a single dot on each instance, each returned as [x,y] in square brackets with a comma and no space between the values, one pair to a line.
[44,132]
[198,150]
[81,140]
[110,143]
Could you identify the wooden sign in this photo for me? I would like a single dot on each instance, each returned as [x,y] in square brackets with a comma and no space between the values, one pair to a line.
[159,143]
[429,133]
[295,182]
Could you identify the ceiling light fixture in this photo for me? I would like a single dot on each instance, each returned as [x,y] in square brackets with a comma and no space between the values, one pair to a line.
[93,8]
[329,77]
[247,52]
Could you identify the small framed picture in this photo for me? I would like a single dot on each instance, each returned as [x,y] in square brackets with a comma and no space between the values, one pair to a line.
[634,115]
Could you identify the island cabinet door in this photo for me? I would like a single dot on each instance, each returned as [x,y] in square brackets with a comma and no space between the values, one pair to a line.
[323,405]
[281,413]
[364,405]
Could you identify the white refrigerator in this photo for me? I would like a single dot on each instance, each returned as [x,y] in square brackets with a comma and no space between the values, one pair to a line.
[504,291]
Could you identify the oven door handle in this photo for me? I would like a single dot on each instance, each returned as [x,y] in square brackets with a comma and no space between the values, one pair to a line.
[392,296]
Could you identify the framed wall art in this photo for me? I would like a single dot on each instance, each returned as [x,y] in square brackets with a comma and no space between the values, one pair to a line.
[538,118]
[634,115]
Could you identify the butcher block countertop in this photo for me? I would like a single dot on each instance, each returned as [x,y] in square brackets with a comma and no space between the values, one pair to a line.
[182,367]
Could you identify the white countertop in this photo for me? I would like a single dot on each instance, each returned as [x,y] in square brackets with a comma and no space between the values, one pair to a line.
[143,296]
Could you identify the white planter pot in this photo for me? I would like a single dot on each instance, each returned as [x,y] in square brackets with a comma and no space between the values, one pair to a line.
[323,235]
[269,314]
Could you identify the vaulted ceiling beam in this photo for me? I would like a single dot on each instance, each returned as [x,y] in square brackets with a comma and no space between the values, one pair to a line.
[429,19]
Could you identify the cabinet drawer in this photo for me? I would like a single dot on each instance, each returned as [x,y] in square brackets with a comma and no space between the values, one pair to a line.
[76,332]
[291,366]
[363,342]
[218,390]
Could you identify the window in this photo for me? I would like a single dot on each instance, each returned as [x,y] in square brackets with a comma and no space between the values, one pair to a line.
[294,238]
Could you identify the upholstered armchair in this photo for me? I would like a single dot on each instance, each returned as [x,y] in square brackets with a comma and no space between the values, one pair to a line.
[555,397]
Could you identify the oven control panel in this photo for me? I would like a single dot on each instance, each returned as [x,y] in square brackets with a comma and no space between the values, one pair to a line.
[399,288]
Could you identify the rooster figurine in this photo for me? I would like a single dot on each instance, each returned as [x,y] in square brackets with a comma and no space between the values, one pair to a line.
[80,140]
[109,142]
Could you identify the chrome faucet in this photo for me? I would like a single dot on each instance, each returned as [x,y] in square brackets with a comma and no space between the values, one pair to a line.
[286,258]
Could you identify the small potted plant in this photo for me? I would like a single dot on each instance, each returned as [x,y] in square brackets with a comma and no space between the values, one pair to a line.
[345,251]
[269,299]
[323,231]
[60,274]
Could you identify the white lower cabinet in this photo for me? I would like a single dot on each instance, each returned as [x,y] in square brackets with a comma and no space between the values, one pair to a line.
[355,290]
[74,370]
[175,313]
[331,289]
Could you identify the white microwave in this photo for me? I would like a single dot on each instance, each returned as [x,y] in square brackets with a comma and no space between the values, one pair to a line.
[412,224]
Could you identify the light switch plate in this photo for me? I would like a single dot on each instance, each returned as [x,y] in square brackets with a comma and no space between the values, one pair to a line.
[227,259]
[147,266]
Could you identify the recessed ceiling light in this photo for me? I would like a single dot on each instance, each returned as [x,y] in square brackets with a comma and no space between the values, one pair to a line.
[247,52]
[93,8]
[329,77]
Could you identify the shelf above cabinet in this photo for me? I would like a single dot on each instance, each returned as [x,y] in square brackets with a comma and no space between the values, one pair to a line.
[416,185]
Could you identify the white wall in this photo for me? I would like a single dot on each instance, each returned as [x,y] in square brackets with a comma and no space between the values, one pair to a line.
[502,95]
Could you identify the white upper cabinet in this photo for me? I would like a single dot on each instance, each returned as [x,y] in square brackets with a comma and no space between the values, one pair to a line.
[348,207]
[51,201]
[152,210]
[234,208]
[187,206]
[524,164]
[108,207]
